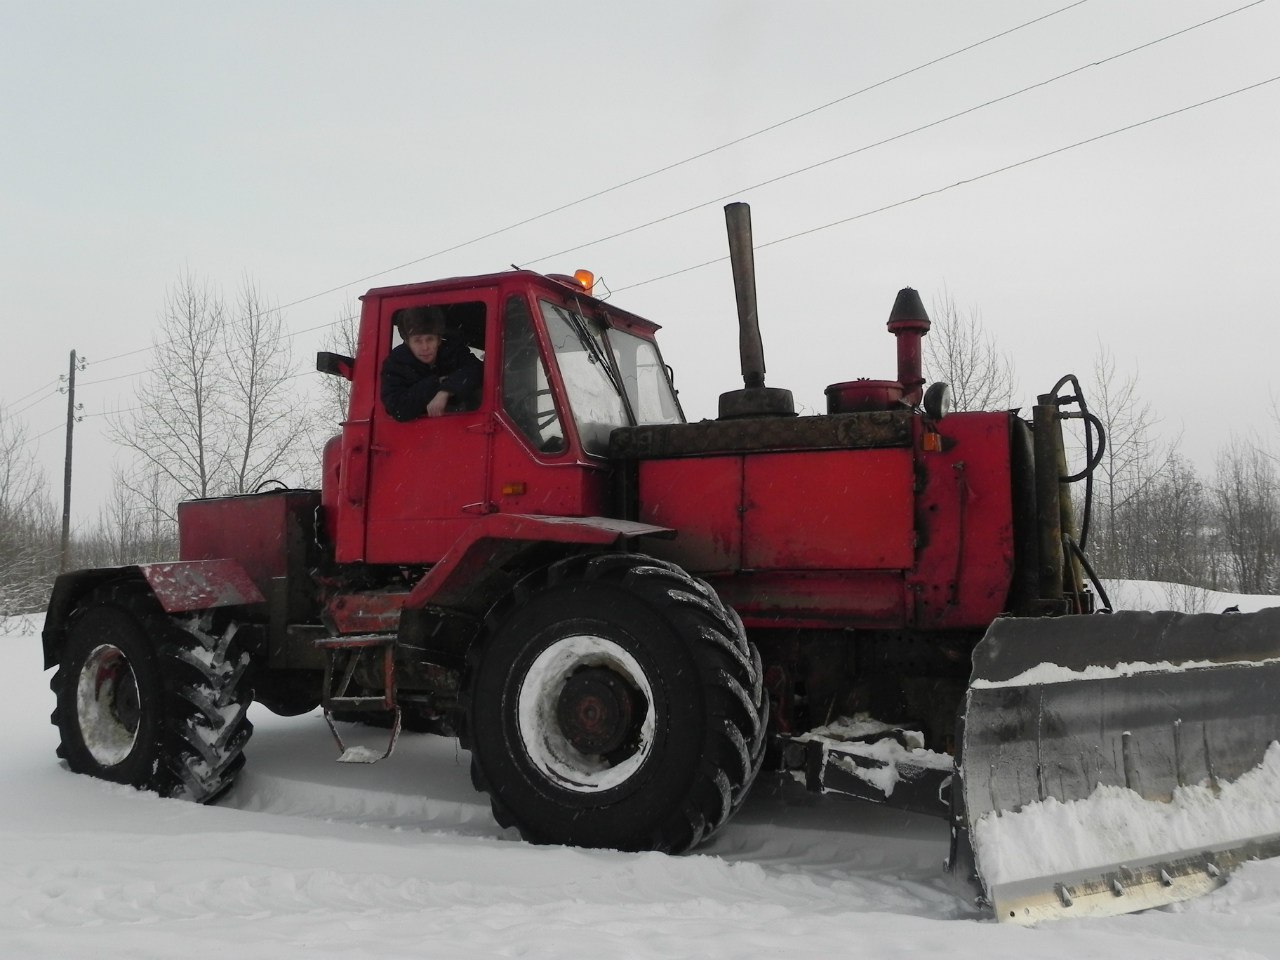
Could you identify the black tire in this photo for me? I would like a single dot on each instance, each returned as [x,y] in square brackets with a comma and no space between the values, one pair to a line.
[151,701]
[652,712]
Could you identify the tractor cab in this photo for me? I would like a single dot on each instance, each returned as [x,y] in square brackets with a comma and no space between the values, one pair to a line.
[562,370]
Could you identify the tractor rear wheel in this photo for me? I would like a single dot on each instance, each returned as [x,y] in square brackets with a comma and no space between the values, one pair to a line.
[149,701]
[614,702]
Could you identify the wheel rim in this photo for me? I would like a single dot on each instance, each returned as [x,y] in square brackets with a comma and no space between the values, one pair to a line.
[586,716]
[107,705]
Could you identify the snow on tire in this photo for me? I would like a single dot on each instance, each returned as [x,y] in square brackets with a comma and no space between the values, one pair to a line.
[614,701]
[148,700]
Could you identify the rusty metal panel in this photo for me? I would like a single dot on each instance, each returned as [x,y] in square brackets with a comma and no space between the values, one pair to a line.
[829,510]
[269,534]
[465,577]
[372,612]
[860,599]
[881,428]
[272,536]
[200,585]
[700,499]
[966,558]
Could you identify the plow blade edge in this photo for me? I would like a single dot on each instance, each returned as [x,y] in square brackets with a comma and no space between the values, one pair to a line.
[1110,763]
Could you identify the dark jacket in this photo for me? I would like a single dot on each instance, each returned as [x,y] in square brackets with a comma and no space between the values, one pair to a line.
[408,385]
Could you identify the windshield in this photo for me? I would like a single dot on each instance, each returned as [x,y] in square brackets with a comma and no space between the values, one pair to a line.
[594,386]
[644,376]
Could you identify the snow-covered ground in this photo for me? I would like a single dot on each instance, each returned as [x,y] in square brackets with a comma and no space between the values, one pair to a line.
[1150,595]
[312,858]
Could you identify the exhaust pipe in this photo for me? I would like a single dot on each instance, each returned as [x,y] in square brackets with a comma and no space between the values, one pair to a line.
[754,399]
[909,322]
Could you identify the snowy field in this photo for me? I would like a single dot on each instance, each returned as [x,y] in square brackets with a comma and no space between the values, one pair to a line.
[311,858]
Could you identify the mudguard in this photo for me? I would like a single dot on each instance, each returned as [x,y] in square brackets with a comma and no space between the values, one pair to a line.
[458,580]
[180,586]
[1110,763]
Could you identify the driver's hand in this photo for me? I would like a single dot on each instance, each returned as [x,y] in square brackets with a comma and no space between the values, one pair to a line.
[438,403]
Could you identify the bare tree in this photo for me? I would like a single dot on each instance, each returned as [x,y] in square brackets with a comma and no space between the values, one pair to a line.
[29,527]
[216,413]
[332,394]
[130,528]
[173,430]
[1246,499]
[1165,529]
[962,353]
[335,392]
[261,409]
[1132,465]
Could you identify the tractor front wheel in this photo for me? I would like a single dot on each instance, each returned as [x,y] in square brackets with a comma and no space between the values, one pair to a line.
[614,702]
[146,700]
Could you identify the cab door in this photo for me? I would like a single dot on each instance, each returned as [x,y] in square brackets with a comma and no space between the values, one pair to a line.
[428,477]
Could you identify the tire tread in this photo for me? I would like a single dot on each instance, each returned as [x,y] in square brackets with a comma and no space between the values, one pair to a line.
[728,666]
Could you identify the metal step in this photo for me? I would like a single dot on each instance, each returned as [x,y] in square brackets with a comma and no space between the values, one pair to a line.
[342,657]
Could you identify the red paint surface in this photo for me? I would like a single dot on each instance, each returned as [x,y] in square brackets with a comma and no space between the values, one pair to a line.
[256,530]
[403,493]
[200,585]
[887,537]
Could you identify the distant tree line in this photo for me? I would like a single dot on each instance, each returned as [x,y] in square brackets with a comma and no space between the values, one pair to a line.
[30,526]
[223,411]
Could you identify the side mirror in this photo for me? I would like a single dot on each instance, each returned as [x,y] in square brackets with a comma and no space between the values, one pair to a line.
[336,364]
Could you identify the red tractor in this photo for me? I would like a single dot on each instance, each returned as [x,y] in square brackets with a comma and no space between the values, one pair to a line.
[622,614]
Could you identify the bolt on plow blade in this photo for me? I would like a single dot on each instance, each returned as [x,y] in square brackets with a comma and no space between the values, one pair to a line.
[1112,763]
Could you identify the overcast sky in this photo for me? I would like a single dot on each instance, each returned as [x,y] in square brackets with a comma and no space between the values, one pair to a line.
[311,145]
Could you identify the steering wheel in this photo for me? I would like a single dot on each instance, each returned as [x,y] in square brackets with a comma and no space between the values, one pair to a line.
[543,417]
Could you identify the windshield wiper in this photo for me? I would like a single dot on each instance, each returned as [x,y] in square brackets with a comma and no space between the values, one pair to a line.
[600,353]
[593,348]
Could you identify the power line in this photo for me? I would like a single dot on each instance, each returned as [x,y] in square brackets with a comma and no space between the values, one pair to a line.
[43,386]
[122,376]
[960,183]
[52,392]
[56,426]
[127,353]
[87,416]
[919,196]
[784,176]
[660,170]
[322,326]
[697,156]
[110,413]
[898,136]
[861,149]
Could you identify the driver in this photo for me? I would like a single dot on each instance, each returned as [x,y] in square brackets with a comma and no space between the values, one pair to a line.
[427,374]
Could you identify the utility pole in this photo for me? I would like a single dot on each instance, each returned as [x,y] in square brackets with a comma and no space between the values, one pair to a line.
[72,408]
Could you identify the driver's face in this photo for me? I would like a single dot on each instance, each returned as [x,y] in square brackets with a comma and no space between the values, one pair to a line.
[424,347]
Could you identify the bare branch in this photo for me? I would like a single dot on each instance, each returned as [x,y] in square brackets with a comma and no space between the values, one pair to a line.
[960,352]
[30,532]
[174,429]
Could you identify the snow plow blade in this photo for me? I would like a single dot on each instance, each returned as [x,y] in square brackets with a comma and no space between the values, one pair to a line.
[1111,763]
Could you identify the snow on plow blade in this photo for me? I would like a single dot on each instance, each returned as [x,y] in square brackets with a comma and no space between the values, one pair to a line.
[1110,763]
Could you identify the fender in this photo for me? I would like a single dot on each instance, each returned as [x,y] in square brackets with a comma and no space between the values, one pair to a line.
[180,586]
[460,579]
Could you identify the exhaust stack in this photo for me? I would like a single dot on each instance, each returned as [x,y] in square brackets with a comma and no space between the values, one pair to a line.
[909,322]
[754,399]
